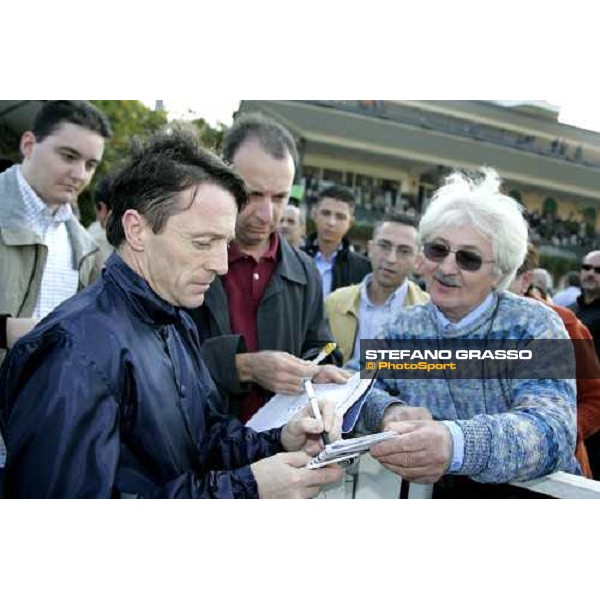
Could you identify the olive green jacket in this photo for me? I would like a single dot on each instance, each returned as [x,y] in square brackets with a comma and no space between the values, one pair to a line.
[23,253]
[343,309]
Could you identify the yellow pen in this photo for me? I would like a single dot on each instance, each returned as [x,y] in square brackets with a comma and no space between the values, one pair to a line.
[327,350]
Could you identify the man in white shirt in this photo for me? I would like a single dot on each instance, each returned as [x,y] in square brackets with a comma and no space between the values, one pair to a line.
[360,311]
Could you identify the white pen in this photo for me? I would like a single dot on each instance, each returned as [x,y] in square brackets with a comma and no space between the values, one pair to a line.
[314,404]
[327,350]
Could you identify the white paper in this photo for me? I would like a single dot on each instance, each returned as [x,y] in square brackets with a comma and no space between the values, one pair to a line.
[280,409]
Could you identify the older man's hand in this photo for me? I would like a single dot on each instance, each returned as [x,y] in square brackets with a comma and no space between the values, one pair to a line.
[401,412]
[422,452]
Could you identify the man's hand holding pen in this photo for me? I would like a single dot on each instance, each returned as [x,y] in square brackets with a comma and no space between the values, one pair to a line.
[304,431]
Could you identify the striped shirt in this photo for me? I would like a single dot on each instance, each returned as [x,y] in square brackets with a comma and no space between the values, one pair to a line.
[60,278]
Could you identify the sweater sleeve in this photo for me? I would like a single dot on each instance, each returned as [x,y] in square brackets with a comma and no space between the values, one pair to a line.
[536,436]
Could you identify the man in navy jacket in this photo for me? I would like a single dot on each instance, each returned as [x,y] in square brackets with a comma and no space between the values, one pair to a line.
[109,396]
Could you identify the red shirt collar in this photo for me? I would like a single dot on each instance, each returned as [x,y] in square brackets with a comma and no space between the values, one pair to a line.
[236,253]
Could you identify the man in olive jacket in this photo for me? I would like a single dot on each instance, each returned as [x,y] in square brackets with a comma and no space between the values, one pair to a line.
[46,255]
[360,311]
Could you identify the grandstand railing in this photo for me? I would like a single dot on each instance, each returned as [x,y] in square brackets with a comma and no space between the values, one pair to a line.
[368,480]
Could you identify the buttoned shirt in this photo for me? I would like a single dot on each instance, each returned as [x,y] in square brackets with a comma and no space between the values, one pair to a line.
[245,284]
[373,317]
[325,267]
[60,279]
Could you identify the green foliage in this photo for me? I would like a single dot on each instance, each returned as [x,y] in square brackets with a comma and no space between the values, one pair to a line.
[559,265]
[210,138]
[129,119]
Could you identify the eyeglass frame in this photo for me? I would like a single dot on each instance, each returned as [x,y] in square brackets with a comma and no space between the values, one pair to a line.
[586,267]
[458,254]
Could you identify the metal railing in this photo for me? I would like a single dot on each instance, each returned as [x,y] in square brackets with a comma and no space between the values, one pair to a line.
[368,480]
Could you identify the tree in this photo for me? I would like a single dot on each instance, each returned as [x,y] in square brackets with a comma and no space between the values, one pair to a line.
[129,119]
[210,138]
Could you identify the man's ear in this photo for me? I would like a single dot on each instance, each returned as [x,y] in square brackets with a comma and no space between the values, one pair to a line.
[136,229]
[28,142]
[313,212]
[369,248]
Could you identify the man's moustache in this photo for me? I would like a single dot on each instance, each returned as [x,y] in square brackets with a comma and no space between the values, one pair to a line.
[446,280]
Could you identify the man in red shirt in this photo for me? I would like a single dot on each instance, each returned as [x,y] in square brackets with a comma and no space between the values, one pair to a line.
[264,320]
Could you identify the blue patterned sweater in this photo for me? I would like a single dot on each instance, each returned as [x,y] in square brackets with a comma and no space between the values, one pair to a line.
[514,429]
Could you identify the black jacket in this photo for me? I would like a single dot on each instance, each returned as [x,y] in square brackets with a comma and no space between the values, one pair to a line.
[291,318]
[589,315]
[109,396]
[350,267]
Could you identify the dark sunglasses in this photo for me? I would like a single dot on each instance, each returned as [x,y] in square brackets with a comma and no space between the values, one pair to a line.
[590,268]
[465,259]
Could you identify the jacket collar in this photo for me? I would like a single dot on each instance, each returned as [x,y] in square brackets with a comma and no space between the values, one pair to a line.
[312,246]
[290,266]
[583,304]
[145,302]
[16,230]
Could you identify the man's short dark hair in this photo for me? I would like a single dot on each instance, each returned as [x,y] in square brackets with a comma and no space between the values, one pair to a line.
[102,192]
[78,112]
[273,137]
[157,172]
[573,279]
[341,193]
[395,216]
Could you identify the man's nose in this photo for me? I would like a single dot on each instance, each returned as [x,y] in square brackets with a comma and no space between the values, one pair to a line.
[219,263]
[264,209]
[78,170]
[448,264]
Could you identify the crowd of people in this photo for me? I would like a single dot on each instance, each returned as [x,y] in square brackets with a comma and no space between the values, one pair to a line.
[134,353]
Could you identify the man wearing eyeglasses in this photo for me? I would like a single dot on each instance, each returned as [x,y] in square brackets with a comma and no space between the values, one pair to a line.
[587,305]
[487,425]
[360,311]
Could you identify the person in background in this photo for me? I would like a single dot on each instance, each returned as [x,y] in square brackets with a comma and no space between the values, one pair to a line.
[102,205]
[333,214]
[360,311]
[570,294]
[263,322]
[292,226]
[542,281]
[587,305]
[109,396]
[586,363]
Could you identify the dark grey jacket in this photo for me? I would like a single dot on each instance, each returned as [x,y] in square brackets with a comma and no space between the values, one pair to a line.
[291,318]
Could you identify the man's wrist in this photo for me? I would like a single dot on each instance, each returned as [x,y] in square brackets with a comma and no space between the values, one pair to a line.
[243,366]
[458,446]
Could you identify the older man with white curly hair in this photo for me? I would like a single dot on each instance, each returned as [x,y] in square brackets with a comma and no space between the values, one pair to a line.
[491,429]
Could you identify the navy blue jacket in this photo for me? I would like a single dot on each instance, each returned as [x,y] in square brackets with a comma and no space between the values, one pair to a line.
[109,396]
